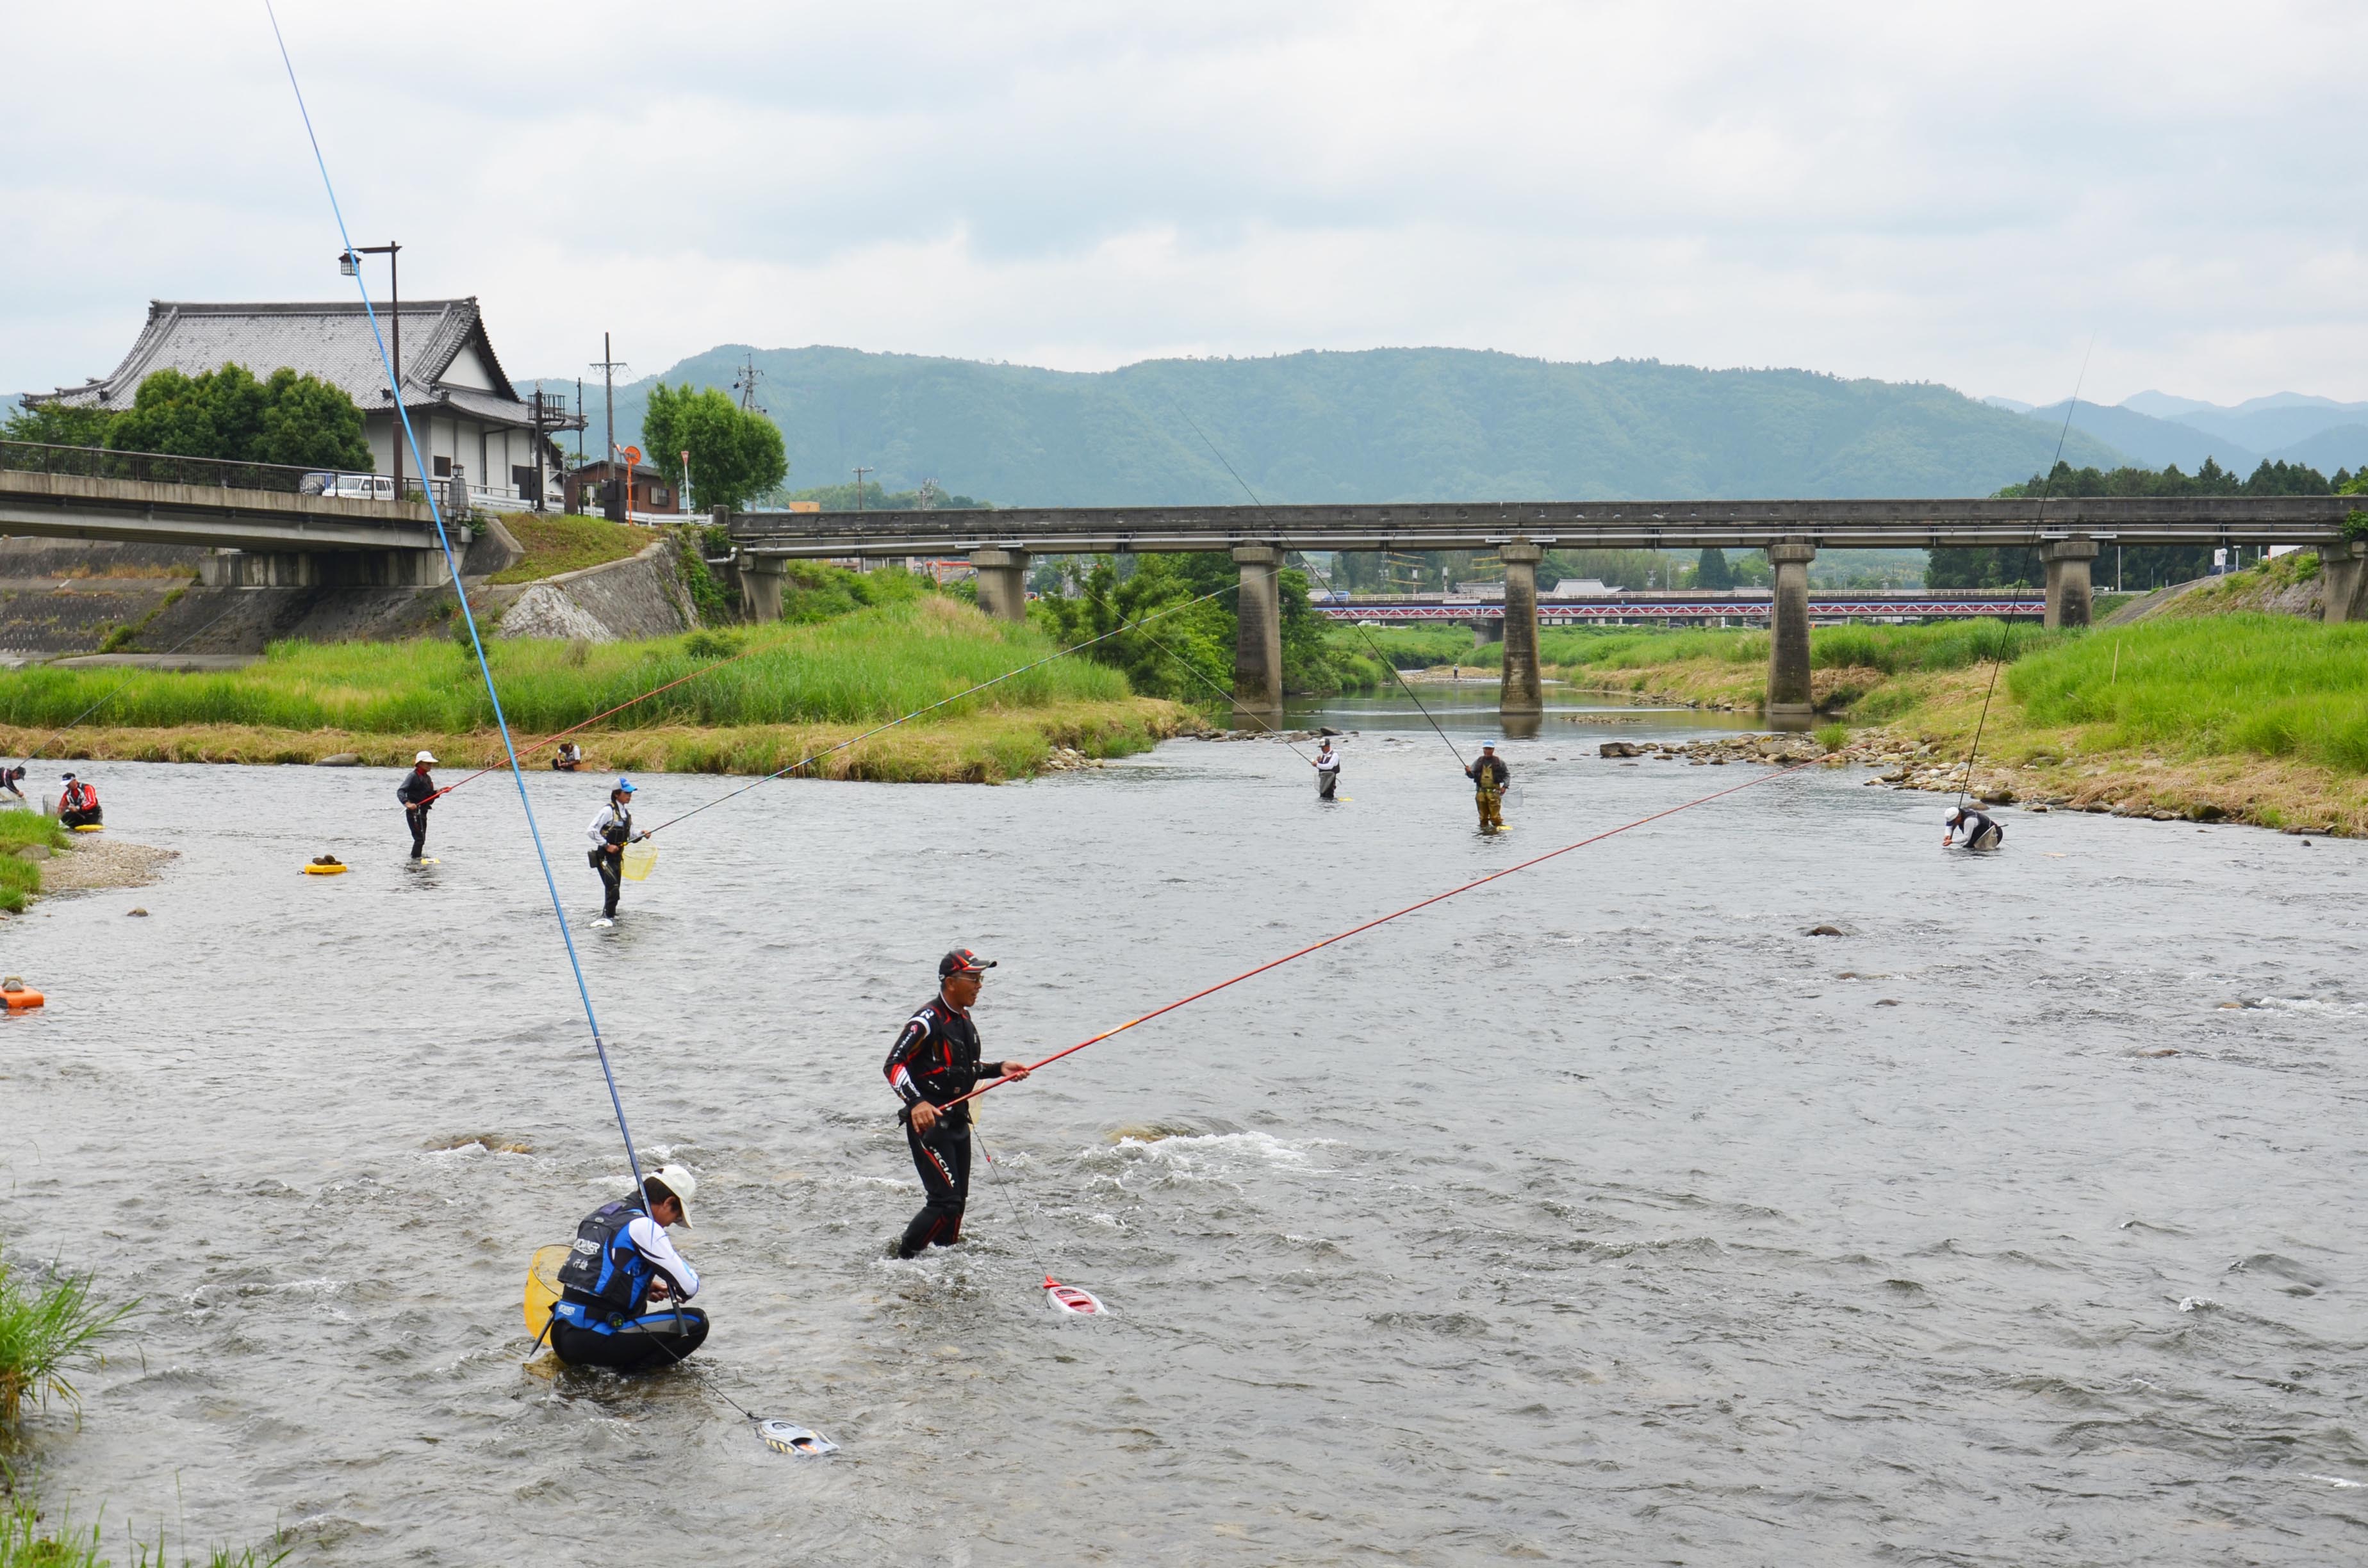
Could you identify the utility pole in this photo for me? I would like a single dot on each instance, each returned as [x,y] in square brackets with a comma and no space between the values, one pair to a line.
[745,384]
[608,366]
[859,485]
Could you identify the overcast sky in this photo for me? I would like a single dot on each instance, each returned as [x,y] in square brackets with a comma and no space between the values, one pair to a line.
[1917,192]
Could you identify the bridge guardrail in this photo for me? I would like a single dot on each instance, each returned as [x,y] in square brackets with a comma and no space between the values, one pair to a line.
[166,468]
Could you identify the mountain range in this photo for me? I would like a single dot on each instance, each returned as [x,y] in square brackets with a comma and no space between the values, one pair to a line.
[2158,429]
[1373,426]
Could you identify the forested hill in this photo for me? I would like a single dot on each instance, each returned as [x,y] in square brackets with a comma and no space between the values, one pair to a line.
[1382,424]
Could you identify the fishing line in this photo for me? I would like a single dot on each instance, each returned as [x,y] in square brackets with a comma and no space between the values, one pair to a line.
[1385,919]
[476,642]
[1386,663]
[957,697]
[1964,785]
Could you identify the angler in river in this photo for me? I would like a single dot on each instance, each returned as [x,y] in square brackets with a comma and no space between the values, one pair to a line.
[623,1286]
[11,779]
[1980,831]
[934,1060]
[1488,775]
[78,804]
[609,833]
[417,792]
[1327,771]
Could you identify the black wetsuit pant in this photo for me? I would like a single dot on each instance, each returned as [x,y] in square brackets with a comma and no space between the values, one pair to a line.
[417,817]
[78,819]
[612,879]
[943,1160]
[644,1344]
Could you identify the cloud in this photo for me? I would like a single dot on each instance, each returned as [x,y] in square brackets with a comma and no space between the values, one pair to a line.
[1917,193]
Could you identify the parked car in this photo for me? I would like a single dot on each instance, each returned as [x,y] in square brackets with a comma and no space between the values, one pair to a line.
[349,487]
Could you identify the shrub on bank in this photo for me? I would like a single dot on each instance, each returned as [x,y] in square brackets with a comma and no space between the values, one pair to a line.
[21,879]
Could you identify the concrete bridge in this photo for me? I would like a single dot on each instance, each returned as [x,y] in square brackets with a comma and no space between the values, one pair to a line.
[266,530]
[2067,533]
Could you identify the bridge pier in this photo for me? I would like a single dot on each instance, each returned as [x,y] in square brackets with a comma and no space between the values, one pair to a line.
[2068,599]
[1487,633]
[1258,640]
[1002,583]
[1519,694]
[322,569]
[2343,573]
[762,580]
[1788,694]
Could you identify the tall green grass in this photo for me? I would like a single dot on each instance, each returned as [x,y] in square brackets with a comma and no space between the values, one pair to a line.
[47,1328]
[872,664]
[2268,686]
[1895,650]
[20,879]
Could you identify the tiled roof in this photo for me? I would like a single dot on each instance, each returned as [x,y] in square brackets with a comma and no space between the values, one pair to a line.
[331,341]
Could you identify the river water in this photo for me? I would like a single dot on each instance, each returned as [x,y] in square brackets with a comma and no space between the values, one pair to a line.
[1598,1215]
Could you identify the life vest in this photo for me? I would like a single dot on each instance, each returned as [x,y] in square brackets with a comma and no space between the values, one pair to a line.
[604,1269]
[79,797]
[618,832]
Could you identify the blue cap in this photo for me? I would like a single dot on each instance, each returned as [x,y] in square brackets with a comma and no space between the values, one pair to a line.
[624,784]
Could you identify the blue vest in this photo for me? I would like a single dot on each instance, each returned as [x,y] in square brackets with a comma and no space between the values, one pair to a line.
[605,1280]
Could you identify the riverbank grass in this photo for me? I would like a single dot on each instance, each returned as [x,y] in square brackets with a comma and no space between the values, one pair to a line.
[20,879]
[791,690]
[556,542]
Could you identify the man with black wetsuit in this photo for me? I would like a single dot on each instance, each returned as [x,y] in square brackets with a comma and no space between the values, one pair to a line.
[1980,831]
[418,794]
[1488,773]
[934,1061]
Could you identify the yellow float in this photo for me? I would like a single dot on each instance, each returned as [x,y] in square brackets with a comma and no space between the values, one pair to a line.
[542,1287]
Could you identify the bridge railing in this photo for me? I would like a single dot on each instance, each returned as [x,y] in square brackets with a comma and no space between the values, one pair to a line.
[165,468]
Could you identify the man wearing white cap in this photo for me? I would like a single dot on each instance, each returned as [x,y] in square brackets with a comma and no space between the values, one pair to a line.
[417,792]
[622,1288]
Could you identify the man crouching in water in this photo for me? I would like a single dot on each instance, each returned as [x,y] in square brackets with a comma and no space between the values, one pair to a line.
[1980,831]
[624,1285]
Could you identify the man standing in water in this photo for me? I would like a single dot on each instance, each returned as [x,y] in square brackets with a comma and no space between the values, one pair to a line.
[417,792]
[1327,771]
[1488,773]
[622,1286]
[934,1060]
[1980,831]
[609,833]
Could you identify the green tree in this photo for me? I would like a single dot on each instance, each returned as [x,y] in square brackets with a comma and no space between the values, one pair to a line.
[59,424]
[734,454]
[294,419]
[1712,571]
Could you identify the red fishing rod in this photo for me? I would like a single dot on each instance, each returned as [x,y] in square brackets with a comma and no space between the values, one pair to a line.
[1384,920]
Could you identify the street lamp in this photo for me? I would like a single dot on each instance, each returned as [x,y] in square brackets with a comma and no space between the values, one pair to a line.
[350,264]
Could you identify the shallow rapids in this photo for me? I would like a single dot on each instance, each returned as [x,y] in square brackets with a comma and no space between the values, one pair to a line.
[1597,1215]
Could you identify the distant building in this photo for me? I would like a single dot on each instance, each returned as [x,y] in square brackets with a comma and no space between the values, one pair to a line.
[652,497]
[466,414]
[1580,588]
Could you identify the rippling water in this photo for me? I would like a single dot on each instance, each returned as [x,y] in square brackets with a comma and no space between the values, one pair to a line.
[1598,1215]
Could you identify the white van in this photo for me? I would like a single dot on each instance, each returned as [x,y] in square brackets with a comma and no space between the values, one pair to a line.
[350,486]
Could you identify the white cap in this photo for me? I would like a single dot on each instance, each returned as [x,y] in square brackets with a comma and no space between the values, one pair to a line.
[679,1181]
[424,757]
[1956,814]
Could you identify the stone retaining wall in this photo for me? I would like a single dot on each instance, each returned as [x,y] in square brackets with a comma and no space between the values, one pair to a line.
[642,596]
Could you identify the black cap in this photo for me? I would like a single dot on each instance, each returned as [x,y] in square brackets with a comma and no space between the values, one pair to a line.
[961,960]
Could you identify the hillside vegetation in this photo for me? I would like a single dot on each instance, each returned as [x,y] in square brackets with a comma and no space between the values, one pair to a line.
[1383,425]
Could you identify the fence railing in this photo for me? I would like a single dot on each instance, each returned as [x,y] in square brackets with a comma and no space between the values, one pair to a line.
[163,468]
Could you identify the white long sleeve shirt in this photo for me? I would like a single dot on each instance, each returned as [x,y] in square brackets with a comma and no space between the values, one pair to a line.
[610,817]
[1327,762]
[650,1238]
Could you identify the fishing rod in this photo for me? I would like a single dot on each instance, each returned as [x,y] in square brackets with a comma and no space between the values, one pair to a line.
[957,697]
[1325,577]
[2047,488]
[476,641]
[1384,920]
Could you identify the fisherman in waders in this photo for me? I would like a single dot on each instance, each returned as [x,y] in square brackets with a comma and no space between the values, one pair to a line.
[1488,773]
[1327,771]
[417,792]
[11,779]
[1980,831]
[621,1288]
[936,1060]
[609,833]
[78,804]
